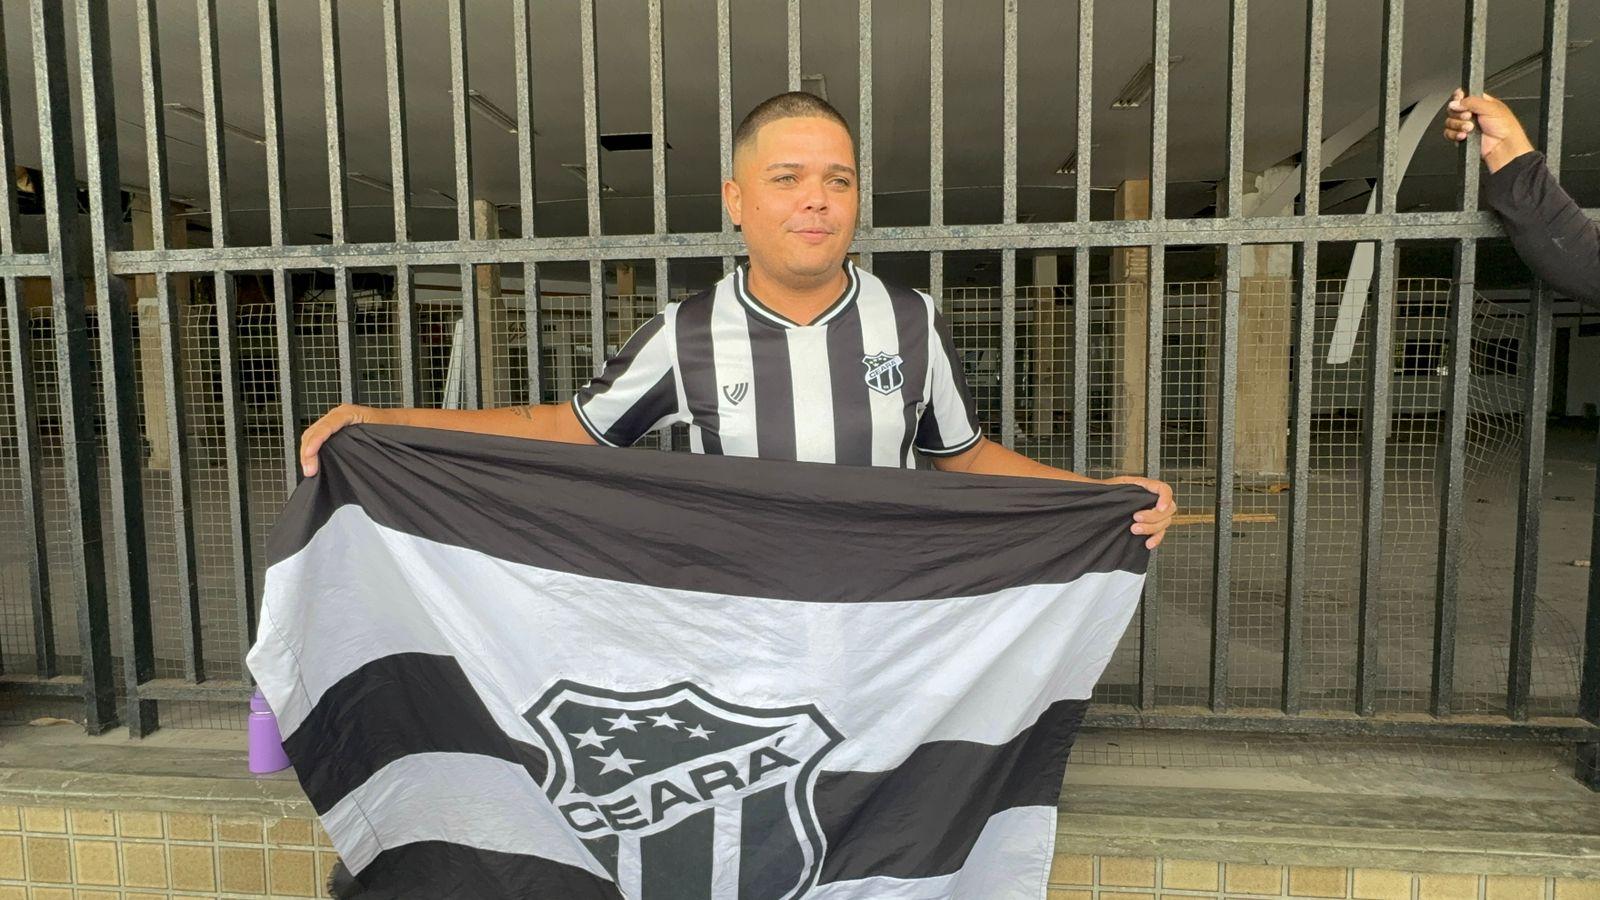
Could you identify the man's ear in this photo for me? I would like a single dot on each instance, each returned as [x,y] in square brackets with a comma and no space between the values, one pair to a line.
[733,201]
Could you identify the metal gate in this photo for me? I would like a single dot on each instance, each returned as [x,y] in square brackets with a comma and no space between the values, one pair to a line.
[82,439]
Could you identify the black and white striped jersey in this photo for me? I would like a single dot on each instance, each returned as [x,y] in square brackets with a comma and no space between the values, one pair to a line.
[873,377]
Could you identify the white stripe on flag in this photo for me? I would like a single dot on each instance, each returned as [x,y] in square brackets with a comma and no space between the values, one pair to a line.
[949,669]
[1010,861]
[459,798]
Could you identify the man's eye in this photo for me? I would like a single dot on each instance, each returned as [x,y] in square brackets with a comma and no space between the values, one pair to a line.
[841,182]
[785,179]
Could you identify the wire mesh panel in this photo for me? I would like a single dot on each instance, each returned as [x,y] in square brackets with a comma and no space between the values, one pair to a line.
[16,601]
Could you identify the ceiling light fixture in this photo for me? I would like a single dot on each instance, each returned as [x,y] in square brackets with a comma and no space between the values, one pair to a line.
[190,112]
[1525,66]
[582,174]
[370,182]
[487,107]
[1141,85]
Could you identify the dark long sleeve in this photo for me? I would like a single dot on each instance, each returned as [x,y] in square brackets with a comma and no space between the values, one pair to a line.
[1552,235]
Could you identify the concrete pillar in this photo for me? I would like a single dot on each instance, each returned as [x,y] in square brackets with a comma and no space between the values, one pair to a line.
[1052,342]
[1266,304]
[147,319]
[486,226]
[626,308]
[1130,274]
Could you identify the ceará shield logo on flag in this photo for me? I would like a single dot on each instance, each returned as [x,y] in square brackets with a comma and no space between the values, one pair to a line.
[677,787]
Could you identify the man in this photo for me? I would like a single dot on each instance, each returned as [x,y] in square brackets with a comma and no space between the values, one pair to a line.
[1552,235]
[797,356]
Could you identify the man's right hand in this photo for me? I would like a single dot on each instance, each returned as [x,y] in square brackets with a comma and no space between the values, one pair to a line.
[1503,136]
[334,419]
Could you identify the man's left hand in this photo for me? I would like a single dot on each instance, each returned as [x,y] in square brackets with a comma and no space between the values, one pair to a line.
[1153,521]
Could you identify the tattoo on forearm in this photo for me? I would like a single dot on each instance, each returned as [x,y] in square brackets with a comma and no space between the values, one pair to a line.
[524,411]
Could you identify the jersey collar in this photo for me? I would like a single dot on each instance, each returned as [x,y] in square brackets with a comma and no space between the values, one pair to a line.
[741,289]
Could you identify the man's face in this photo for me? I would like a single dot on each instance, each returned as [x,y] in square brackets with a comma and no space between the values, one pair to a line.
[794,195]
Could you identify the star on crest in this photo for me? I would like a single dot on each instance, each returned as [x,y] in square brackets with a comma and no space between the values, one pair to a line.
[623,723]
[665,720]
[591,738]
[616,762]
[699,731]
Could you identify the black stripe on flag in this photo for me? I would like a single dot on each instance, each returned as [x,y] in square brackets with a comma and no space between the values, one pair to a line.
[922,818]
[579,510]
[458,872]
[388,709]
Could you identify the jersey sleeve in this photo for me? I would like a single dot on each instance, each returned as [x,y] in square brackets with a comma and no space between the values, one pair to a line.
[949,424]
[636,393]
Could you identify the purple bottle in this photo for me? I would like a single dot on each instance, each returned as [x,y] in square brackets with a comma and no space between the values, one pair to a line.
[266,745]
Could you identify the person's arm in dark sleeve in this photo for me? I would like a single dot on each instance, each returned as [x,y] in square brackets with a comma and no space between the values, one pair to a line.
[1550,232]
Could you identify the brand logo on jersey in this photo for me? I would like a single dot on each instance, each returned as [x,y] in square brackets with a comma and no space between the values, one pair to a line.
[736,392]
[883,372]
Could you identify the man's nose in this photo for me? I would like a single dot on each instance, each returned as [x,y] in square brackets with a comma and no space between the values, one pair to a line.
[816,197]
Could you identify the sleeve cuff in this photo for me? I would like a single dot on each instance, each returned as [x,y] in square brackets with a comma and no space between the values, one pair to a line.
[956,450]
[583,419]
[1499,187]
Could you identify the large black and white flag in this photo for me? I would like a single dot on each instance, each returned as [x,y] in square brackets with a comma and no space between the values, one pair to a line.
[506,668]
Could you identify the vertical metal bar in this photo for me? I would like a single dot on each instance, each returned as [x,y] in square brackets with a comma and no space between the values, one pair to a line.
[527,183]
[534,336]
[1589,684]
[1389,172]
[597,313]
[725,108]
[658,149]
[1085,113]
[1536,357]
[591,116]
[658,124]
[1008,257]
[1155,336]
[1304,324]
[522,50]
[1380,368]
[461,131]
[1233,187]
[272,108]
[1008,348]
[1161,44]
[864,132]
[1453,463]
[1227,391]
[129,573]
[936,143]
[1375,452]
[400,191]
[1155,341]
[1080,266]
[591,162]
[333,117]
[81,472]
[1008,106]
[1553,104]
[34,536]
[227,335]
[1080,359]
[277,191]
[186,580]
[333,125]
[792,35]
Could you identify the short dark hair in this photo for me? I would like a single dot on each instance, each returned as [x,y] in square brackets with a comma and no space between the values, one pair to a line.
[791,105]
